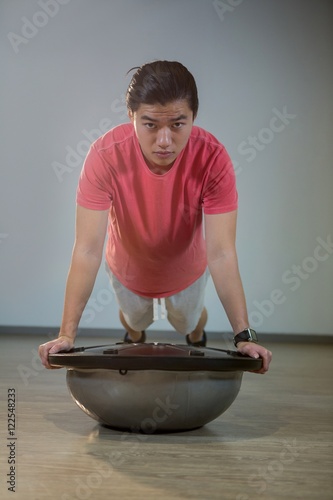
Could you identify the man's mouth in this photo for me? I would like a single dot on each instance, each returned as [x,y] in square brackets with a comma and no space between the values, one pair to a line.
[164,154]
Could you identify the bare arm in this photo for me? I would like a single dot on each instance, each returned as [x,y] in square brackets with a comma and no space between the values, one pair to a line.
[86,259]
[220,233]
[222,259]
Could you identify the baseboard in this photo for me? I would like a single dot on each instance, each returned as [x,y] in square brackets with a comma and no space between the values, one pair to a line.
[117,334]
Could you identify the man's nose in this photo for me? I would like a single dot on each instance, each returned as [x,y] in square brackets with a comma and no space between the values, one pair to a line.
[164,137]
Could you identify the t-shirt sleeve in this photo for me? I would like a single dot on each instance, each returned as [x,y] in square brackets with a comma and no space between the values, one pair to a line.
[94,188]
[220,192]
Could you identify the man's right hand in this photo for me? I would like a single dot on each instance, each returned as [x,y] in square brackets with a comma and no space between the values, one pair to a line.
[62,343]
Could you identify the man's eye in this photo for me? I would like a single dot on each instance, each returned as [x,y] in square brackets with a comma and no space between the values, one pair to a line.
[178,124]
[149,125]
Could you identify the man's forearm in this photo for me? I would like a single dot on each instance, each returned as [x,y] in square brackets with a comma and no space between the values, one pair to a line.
[228,284]
[80,282]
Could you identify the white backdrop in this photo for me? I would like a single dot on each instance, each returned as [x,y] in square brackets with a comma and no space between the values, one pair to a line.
[264,73]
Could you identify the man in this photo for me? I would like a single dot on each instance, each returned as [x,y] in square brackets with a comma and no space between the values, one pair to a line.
[150,183]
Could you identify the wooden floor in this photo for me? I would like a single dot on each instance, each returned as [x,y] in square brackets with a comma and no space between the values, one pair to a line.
[274,442]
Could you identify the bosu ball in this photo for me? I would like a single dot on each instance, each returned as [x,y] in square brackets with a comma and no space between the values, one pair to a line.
[153,387]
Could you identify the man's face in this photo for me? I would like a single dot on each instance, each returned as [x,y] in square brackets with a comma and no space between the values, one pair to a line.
[162,132]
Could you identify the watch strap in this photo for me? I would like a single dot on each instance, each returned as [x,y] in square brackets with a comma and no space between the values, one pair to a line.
[247,335]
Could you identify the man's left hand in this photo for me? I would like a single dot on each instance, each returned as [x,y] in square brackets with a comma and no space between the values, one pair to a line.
[256,351]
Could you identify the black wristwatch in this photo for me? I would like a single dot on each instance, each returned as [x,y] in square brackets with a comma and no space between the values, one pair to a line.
[247,335]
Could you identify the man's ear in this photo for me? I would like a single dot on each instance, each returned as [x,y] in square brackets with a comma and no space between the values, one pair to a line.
[130,115]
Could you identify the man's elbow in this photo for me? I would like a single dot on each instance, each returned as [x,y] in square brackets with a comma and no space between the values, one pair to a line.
[219,256]
[91,253]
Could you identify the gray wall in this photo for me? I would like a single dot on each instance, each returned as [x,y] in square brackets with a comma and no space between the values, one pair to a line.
[63,76]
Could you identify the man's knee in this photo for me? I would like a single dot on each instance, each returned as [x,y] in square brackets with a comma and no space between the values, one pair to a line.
[185,322]
[138,319]
[180,322]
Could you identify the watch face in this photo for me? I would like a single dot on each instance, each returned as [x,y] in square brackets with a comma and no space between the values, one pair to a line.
[253,335]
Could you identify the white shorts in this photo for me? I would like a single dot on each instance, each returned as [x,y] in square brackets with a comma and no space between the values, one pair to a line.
[183,310]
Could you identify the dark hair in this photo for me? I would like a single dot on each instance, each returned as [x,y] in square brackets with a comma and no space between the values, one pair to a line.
[162,82]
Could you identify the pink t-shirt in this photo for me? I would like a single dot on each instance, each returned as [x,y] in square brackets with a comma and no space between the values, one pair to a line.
[155,241]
